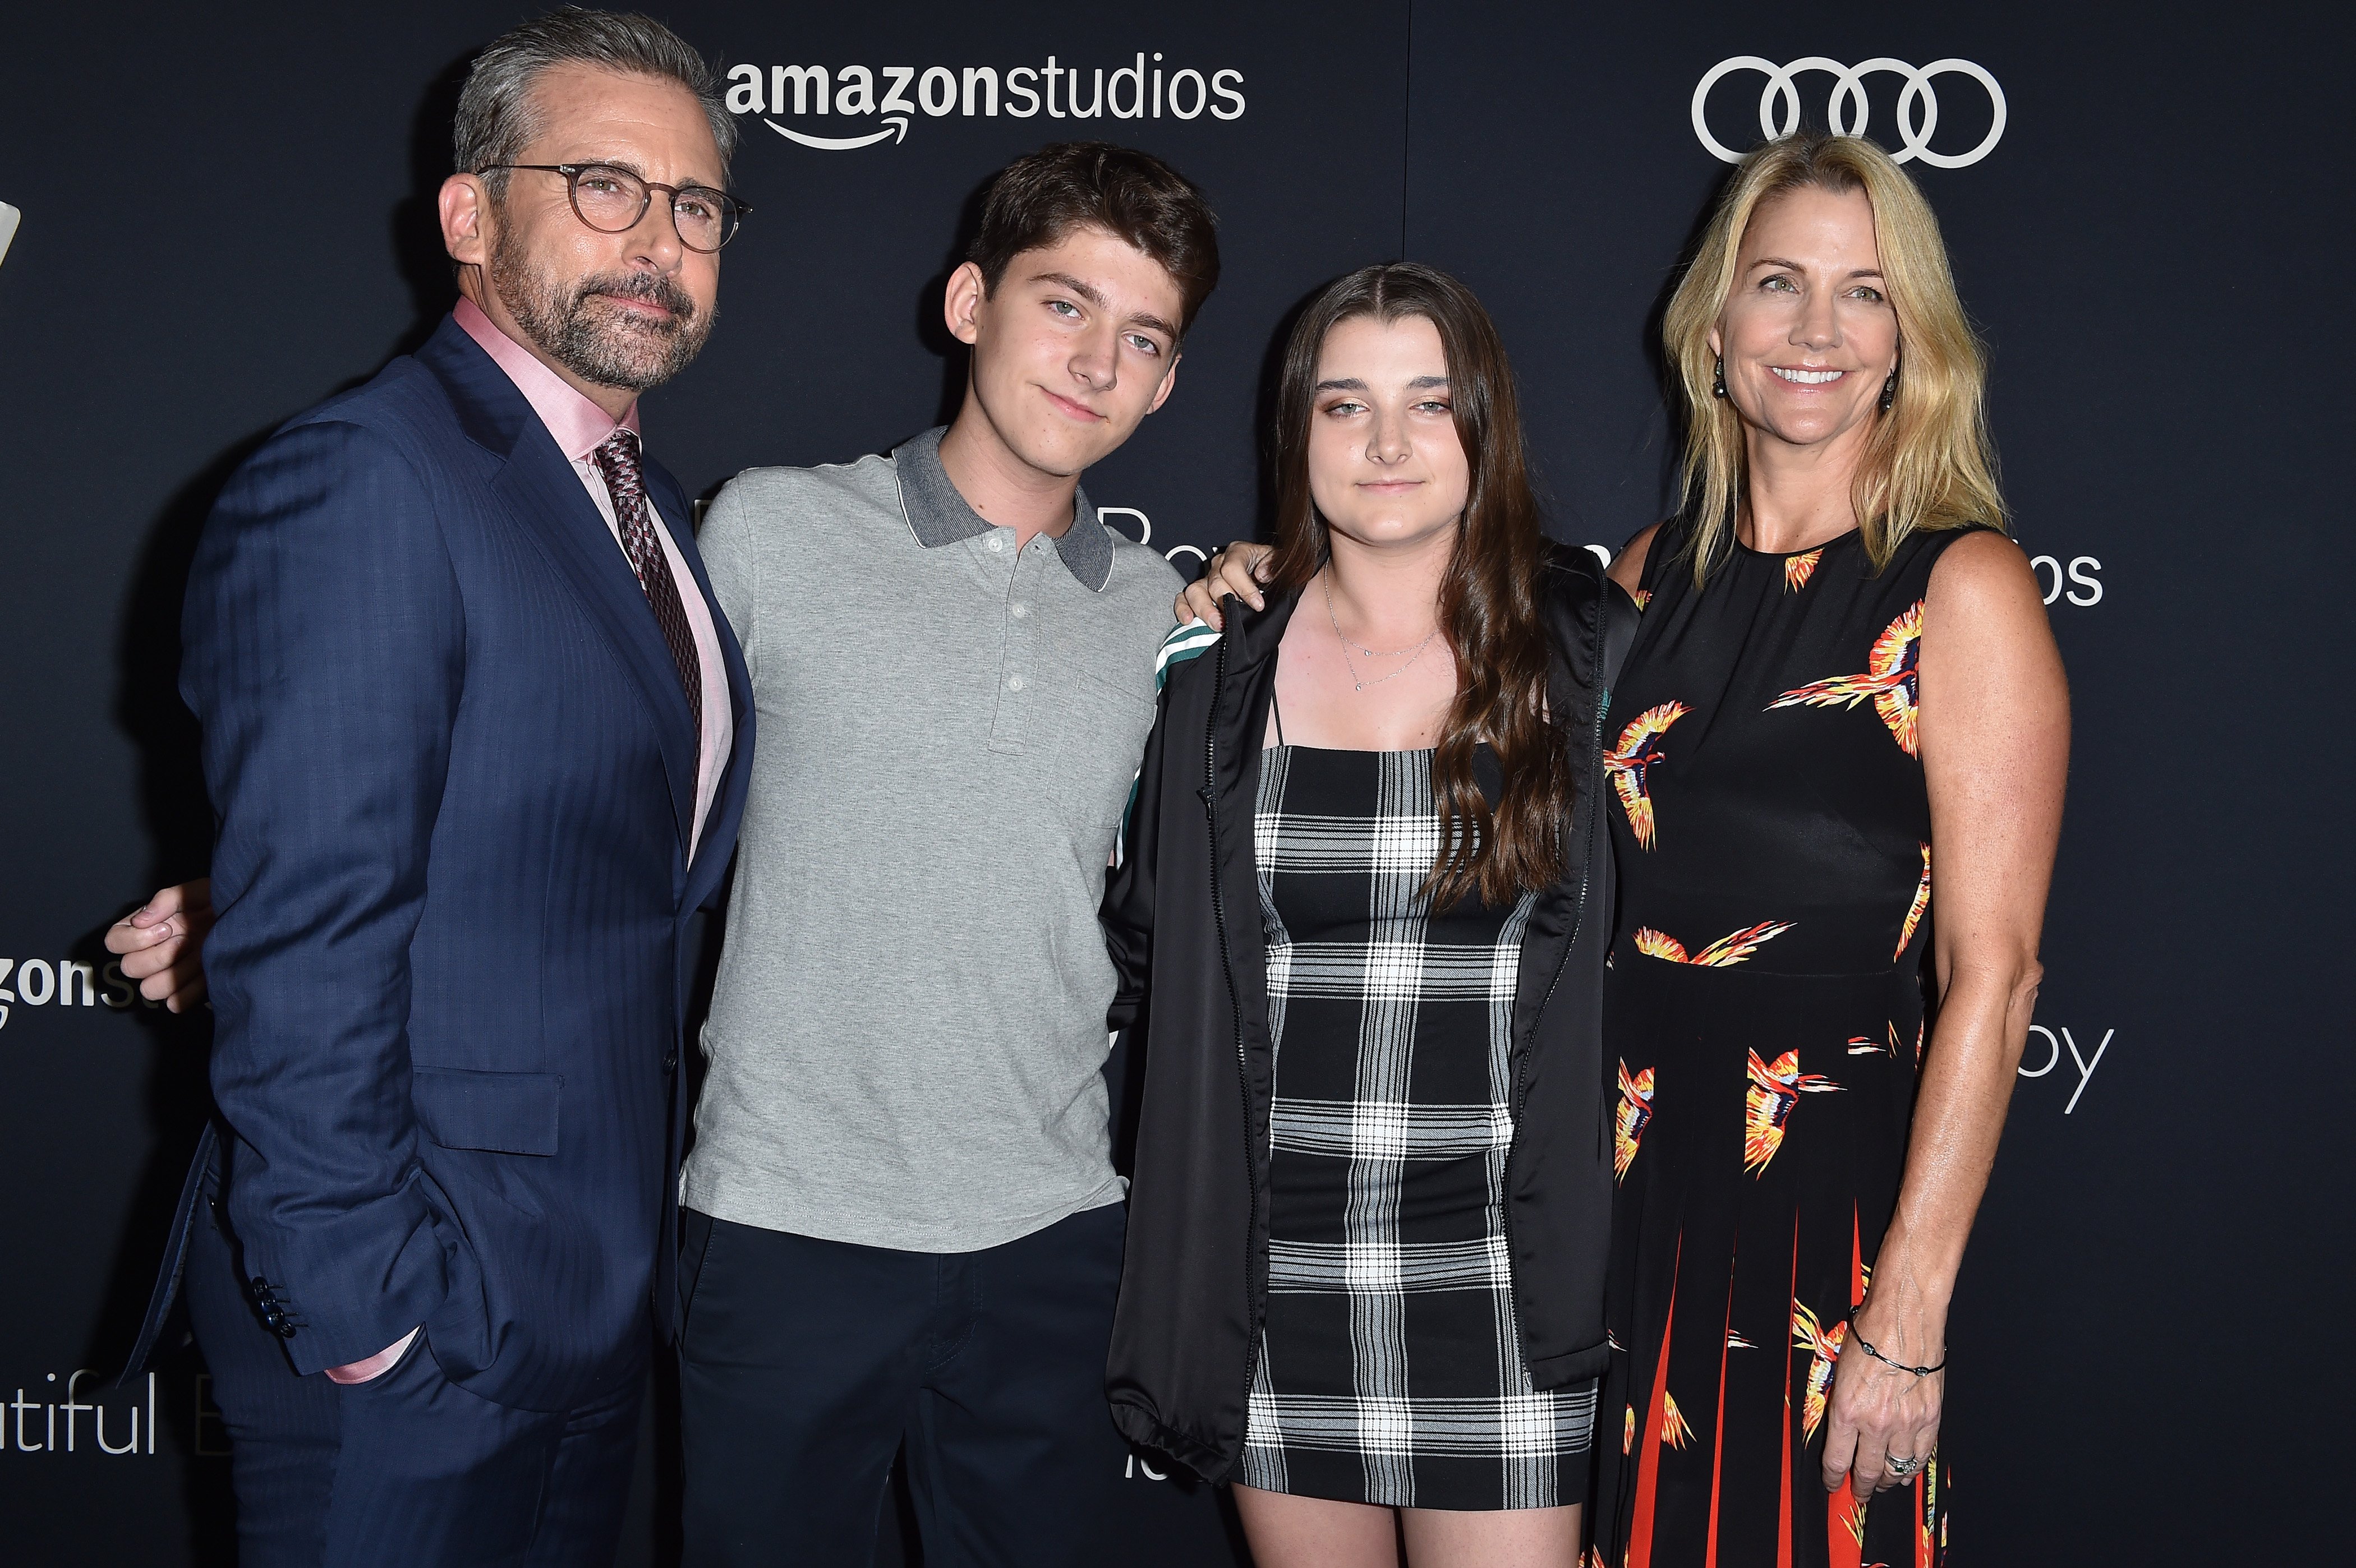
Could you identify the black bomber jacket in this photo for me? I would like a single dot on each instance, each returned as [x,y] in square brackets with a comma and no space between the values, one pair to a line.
[1181,918]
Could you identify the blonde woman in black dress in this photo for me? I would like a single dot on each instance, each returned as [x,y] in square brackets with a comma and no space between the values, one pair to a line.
[1839,750]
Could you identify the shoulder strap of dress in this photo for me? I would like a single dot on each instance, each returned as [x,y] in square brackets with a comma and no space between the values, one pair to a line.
[1927,545]
[1621,618]
[1668,540]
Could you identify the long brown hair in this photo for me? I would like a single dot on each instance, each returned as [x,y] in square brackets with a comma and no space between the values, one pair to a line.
[1929,463]
[1488,607]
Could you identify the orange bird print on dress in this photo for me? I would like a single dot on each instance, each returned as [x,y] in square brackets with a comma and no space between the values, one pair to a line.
[1673,1430]
[1638,752]
[1890,679]
[1914,915]
[1809,1335]
[1635,1111]
[1844,1510]
[1861,1045]
[1799,569]
[1776,1088]
[1727,950]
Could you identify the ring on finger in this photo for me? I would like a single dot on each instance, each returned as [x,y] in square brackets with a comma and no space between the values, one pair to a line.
[1901,1469]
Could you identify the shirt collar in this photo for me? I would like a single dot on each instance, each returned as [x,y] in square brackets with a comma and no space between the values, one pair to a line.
[578,424]
[937,515]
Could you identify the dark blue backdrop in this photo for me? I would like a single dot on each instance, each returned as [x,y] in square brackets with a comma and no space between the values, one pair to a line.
[227,219]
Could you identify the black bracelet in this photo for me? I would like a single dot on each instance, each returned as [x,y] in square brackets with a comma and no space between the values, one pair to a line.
[1860,1341]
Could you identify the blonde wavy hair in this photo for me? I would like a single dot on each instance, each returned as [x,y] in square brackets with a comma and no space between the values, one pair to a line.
[1928,463]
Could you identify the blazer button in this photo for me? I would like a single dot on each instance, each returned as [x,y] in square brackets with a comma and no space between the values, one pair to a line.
[670,1062]
[286,1331]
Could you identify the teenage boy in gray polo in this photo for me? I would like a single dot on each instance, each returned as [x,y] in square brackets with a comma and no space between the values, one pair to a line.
[903,1220]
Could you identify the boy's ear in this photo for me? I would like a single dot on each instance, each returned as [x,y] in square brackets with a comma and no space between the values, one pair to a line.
[1168,379]
[962,301]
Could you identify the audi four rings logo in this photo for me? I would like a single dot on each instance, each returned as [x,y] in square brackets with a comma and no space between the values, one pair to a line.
[1918,103]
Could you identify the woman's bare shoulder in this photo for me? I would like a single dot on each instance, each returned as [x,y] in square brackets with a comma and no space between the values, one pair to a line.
[1984,572]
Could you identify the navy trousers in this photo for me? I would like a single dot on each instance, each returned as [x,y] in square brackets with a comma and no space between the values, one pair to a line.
[407,1471]
[804,1365]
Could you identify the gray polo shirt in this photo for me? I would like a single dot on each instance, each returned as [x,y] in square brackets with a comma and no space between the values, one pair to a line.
[906,1041]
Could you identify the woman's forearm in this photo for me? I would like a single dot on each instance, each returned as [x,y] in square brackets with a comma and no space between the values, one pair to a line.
[1968,1073]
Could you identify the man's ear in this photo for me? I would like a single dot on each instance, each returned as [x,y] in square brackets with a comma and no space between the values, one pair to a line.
[465,210]
[1168,379]
[961,303]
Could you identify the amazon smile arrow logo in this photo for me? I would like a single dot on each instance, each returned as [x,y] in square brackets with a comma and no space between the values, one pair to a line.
[899,132]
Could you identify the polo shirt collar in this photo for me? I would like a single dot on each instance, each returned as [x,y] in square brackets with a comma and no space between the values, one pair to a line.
[939,516]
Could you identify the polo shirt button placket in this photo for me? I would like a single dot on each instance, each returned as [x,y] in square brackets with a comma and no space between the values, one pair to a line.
[1020,633]
[1018,646]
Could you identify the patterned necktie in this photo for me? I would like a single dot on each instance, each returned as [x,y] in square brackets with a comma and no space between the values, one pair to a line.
[618,459]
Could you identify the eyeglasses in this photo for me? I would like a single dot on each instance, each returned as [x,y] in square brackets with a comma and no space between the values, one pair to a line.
[611,201]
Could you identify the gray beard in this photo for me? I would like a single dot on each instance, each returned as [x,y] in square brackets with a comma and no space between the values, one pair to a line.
[604,346]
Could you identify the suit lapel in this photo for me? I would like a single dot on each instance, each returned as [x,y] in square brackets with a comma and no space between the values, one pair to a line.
[728,800]
[543,493]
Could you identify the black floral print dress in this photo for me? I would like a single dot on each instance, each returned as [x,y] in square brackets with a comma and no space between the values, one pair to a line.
[1766,1009]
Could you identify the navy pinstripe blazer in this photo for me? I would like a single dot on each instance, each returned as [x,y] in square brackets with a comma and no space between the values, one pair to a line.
[454,773]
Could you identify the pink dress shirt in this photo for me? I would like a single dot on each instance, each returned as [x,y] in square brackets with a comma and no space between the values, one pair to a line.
[579,425]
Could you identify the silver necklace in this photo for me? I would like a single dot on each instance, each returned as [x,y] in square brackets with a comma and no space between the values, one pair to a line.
[1415,653]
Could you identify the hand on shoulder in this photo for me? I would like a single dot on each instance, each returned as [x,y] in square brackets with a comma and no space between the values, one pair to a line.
[1238,569]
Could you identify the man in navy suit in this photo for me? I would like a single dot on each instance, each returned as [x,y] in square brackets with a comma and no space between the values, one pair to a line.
[476,735]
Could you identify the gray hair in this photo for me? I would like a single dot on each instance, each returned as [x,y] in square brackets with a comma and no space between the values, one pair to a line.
[496,118]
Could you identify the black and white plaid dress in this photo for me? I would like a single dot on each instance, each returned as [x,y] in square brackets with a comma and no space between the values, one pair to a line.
[1389,1371]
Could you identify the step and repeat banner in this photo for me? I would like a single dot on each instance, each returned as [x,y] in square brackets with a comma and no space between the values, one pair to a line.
[228,216]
